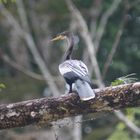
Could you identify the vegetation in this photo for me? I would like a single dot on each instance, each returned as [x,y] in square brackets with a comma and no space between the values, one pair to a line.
[109,35]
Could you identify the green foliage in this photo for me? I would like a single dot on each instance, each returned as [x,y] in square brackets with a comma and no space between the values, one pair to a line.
[52,17]
[2,86]
[119,135]
[120,132]
[124,80]
[120,126]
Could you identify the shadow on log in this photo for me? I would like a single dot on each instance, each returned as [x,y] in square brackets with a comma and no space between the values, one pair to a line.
[46,110]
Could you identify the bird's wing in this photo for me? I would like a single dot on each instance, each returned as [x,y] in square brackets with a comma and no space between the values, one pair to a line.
[77,67]
[81,66]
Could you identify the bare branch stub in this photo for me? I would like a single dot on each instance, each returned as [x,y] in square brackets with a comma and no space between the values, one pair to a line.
[46,110]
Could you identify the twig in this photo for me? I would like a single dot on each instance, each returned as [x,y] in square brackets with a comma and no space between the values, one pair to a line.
[94,12]
[22,15]
[127,122]
[77,130]
[118,36]
[118,113]
[55,133]
[114,47]
[85,34]
[22,69]
[31,44]
[83,29]
[103,22]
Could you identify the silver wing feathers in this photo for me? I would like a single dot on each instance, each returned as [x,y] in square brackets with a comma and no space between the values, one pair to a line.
[76,66]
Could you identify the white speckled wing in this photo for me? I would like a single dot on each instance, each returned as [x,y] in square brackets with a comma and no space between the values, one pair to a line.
[76,66]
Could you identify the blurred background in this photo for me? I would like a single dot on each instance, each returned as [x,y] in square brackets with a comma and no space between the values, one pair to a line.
[109,45]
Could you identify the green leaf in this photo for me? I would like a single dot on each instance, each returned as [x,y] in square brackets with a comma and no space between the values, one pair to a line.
[2,85]
[124,80]
[121,126]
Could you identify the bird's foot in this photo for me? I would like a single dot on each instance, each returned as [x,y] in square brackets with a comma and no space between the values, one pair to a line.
[70,92]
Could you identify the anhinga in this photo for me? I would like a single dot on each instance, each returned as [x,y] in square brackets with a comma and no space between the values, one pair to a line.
[75,71]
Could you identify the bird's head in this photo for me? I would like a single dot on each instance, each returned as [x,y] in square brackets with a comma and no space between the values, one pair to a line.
[62,36]
[66,35]
[71,40]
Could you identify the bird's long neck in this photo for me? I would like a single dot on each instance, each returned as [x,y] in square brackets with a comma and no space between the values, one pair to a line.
[70,49]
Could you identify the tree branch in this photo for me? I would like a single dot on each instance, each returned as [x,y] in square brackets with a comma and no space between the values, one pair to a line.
[118,113]
[118,36]
[127,122]
[80,22]
[94,13]
[20,68]
[83,30]
[114,46]
[46,110]
[32,46]
[103,23]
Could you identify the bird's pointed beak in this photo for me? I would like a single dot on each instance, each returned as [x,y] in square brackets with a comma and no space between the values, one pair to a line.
[60,37]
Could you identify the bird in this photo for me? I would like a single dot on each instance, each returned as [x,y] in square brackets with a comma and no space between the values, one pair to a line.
[74,71]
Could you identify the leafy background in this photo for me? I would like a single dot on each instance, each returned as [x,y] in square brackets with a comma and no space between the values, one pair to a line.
[45,19]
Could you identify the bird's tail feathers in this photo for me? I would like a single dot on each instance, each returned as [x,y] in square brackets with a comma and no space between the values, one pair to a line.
[84,90]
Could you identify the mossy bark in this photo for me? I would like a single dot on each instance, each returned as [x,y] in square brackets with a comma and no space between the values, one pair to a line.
[46,110]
